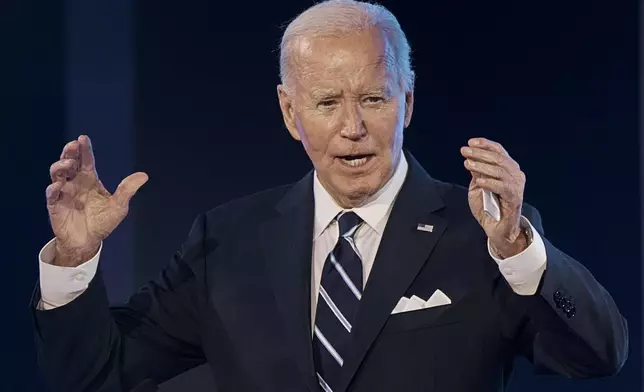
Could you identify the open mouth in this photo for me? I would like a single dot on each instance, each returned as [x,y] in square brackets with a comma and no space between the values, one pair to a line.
[356,160]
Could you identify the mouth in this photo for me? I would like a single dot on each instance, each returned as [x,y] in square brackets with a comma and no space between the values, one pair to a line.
[356,160]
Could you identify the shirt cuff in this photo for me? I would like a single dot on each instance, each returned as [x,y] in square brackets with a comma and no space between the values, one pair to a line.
[61,285]
[523,271]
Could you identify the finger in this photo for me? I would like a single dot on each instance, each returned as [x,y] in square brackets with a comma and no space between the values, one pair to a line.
[128,187]
[501,188]
[473,184]
[52,193]
[481,142]
[481,155]
[70,150]
[86,153]
[63,170]
[488,170]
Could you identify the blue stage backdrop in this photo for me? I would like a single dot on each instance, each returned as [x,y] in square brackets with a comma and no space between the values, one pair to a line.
[186,92]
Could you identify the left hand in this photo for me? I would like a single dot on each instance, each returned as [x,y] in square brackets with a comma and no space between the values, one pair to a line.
[493,169]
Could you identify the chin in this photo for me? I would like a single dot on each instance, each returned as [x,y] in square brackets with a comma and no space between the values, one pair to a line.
[357,192]
[353,189]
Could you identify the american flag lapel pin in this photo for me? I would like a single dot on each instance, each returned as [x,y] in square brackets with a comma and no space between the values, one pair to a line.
[425,227]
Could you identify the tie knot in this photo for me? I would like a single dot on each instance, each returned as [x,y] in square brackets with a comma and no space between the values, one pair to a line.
[348,222]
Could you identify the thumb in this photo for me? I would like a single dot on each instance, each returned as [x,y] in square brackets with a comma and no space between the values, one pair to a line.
[128,187]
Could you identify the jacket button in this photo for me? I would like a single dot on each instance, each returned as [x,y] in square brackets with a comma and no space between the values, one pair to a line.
[571,312]
[557,297]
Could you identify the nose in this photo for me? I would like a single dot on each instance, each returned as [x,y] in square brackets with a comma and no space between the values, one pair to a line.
[354,127]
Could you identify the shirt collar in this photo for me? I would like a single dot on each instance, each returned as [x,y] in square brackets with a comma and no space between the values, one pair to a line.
[373,212]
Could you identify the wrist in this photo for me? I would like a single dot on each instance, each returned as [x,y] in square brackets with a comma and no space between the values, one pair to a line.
[73,257]
[507,248]
[510,249]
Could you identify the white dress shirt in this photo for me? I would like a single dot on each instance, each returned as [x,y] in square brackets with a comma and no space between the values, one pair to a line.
[61,285]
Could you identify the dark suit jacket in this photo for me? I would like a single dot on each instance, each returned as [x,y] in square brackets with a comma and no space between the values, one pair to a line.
[237,295]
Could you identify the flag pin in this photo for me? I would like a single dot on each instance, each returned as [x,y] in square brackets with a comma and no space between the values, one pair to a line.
[424,227]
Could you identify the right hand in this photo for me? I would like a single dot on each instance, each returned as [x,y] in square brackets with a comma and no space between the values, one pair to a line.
[82,212]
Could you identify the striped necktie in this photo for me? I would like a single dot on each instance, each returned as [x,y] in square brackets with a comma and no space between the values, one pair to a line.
[338,300]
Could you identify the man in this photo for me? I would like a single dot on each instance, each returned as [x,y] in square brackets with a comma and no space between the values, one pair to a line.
[365,275]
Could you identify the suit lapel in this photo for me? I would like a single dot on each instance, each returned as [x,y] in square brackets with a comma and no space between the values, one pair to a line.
[402,253]
[287,241]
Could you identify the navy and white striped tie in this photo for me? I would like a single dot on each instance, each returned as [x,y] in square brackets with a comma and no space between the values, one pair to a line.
[338,300]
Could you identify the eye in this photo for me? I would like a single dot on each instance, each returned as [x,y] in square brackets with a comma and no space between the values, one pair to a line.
[374,99]
[326,103]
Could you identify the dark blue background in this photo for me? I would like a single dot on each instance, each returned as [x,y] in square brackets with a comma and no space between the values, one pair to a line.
[186,92]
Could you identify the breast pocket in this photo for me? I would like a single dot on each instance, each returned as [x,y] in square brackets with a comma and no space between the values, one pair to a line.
[466,306]
[425,318]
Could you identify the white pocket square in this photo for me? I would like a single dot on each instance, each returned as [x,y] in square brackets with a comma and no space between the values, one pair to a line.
[416,303]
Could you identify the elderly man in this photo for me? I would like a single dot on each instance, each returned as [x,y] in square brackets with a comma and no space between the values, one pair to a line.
[365,275]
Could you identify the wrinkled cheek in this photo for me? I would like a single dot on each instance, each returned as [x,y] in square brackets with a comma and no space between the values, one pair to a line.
[314,149]
[302,130]
[318,136]
[313,145]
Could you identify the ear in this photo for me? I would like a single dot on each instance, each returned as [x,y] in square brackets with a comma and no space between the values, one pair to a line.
[286,105]
[409,107]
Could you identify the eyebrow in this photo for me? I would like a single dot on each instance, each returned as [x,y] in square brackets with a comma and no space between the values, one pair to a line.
[380,90]
[324,93]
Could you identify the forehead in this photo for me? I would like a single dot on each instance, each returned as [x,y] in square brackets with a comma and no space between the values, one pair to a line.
[353,61]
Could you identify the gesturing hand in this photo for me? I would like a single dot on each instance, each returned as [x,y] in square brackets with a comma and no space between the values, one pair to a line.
[493,169]
[82,212]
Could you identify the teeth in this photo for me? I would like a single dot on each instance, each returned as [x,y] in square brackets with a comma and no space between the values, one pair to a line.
[355,162]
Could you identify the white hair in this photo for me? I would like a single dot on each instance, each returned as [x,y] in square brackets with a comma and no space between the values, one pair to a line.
[339,17]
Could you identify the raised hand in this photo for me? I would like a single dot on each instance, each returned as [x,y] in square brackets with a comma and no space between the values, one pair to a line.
[493,169]
[82,212]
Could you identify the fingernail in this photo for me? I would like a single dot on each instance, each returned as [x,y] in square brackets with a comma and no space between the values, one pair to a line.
[475,142]
[468,151]
[471,163]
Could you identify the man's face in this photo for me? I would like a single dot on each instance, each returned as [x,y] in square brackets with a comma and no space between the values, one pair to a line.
[346,105]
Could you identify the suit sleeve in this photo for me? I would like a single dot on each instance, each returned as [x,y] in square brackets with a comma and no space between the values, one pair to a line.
[571,325]
[87,346]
